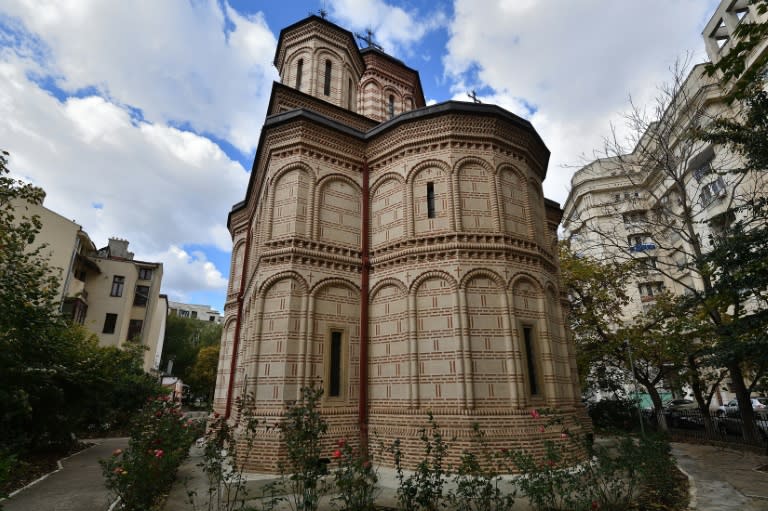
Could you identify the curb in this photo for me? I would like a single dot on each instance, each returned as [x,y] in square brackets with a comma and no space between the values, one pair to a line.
[693,501]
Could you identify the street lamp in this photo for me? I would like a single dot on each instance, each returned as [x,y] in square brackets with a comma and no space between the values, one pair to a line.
[634,378]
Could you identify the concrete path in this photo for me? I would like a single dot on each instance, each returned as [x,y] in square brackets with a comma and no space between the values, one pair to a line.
[78,486]
[724,479]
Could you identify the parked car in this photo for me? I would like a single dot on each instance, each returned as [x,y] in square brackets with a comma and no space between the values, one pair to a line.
[682,413]
[733,425]
[732,406]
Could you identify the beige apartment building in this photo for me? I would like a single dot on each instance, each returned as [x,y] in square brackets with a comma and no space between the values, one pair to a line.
[636,206]
[109,292]
[400,256]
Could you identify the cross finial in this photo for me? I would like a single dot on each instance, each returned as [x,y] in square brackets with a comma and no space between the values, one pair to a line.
[473,95]
[368,39]
[322,12]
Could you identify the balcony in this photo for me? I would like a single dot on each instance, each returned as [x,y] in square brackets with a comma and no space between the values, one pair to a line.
[76,289]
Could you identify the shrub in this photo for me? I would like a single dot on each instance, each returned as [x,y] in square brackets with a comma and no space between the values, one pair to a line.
[160,440]
[423,490]
[355,479]
[614,414]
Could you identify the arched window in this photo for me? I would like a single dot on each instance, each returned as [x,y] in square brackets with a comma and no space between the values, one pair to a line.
[327,86]
[391,106]
[299,69]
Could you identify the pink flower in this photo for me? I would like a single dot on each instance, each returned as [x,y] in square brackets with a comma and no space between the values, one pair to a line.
[337,454]
[117,452]
[216,415]
[541,429]
[563,435]
[159,453]
[535,413]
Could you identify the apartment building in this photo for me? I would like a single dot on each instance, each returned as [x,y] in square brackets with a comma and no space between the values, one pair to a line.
[666,201]
[108,291]
[195,311]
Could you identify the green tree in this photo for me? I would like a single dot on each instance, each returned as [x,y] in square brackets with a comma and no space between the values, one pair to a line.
[54,378]
[184,338]
[202,376]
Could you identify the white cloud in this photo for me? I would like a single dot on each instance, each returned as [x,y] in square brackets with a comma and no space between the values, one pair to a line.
[397,30]
[576,63]
[185,273]
[155,185]
[172,59]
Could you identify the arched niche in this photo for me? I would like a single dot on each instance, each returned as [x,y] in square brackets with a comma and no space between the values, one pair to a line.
[388,353]
[339,213]
[387,211]
[430,199]
[513,206]
[291,191]
[476,202]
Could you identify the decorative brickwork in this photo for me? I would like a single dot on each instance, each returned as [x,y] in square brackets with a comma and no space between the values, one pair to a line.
[465,313]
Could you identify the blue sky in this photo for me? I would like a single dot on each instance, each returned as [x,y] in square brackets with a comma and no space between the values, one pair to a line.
[140,118]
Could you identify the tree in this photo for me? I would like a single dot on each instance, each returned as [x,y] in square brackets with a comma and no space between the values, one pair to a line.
[54,378]
[670,229]
[184,338]
[202,375]
[606,341]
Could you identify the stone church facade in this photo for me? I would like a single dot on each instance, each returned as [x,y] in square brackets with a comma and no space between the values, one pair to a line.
[398,255]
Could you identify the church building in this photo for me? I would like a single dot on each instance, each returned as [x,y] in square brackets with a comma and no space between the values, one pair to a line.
[400,256]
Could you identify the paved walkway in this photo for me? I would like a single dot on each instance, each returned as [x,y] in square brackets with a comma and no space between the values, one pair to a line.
[78,486]
[724,479]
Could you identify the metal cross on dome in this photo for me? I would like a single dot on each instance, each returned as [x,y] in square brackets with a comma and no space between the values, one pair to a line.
[368,39]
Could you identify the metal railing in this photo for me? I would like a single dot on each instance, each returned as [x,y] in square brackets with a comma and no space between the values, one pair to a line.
[689,424]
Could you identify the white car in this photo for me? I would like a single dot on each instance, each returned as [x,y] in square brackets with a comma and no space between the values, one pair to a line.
[732,406]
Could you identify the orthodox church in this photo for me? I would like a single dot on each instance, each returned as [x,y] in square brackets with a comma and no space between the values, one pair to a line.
[400,256]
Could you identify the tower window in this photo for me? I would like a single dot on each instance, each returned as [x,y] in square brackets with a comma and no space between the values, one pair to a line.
[391,106]
[528,340]
[327,86]
[299,70]
[430,200]
[334,378]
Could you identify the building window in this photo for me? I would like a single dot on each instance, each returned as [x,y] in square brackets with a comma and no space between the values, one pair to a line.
[145,273]
[334,365]
[299,70]
[712,191]
[430,200]
[391,106]
[531,363]
[327,85]
[649,290]
[110,321]
[349,94]
[183,314]
[634,218]
[194,314]
[118,283]
[141,296]
[134,329]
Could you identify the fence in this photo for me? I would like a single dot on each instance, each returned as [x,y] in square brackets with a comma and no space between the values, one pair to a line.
[689,424]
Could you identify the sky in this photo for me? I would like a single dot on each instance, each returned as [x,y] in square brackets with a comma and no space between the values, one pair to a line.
[140,118]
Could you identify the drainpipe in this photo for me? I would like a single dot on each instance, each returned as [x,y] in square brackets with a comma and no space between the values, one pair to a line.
[362,411]
[238,321]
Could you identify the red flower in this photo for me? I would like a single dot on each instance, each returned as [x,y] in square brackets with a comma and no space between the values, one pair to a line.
[535,414]
[342,442]
[216,415]
[595,505]
[337,454]
[550,463]
[541,429]
[117,452]
[158,414]
[159,453]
